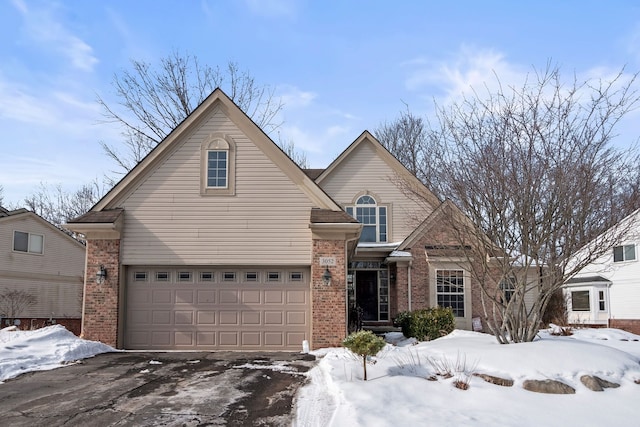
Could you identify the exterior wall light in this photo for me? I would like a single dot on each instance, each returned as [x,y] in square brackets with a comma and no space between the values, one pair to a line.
[326,277]
[101,274]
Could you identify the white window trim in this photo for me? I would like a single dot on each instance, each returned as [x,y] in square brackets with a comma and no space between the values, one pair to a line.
[377,206]
[28,251]
[218,142]
[465,308]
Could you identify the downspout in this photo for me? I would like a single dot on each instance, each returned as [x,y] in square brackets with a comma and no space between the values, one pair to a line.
[409,283]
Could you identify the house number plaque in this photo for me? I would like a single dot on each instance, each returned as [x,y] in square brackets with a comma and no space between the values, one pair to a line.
[327,261]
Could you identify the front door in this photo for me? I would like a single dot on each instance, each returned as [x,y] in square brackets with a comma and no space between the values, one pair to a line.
[367,294]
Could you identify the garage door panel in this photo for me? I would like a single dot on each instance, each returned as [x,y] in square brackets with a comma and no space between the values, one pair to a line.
[183,317]
[250,318]
[251,339]
[229,339]
[228,296]
[273,297]
[273,318]
[206,317]
[206,297]
[208,313]
[296,318]
[161,296]
[251,297]
[229,318]
[161,317]
[184,296]
[182,338]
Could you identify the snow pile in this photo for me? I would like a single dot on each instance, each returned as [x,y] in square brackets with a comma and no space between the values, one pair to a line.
[404,387]
[42,349]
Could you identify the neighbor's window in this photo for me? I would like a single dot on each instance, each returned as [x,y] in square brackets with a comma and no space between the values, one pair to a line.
[580,301]
[218,165]
[624,253]
[450,290]
[372,217]
[508,288]
[601,301]
[27,242]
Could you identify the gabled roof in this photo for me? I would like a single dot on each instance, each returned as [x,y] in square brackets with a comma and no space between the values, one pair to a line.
[409,179]
[7,216]
[218,99]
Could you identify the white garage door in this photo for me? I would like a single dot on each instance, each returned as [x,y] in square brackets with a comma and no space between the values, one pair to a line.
[221,309]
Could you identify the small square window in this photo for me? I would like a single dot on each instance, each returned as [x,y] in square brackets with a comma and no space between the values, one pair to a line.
[206,276]
[295,276]
[229,276]
[251,276]
[273,276]
[162,276]
[184,276]
[140,276]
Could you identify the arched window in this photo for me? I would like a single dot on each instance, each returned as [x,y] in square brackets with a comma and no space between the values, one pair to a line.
[218,166]
[372,217]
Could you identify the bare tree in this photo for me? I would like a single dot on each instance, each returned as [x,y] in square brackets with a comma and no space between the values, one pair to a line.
[58,206]
[14,302]
[538,179]
[154,100]
[1,195]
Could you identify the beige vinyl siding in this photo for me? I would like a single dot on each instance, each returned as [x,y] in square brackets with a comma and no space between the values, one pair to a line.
[55,277]
[167,220]
[363,170]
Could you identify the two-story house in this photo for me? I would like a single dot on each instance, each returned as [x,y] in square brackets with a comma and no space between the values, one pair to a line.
[607,291]
[218,240]
[41,272]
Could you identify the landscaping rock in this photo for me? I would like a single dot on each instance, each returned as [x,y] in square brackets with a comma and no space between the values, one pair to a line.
[495,380]
[548,386]
[596,383]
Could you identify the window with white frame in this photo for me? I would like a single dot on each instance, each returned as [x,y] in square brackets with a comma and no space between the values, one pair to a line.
[508,288]
[372,217]
[602,303]
[218,166]
[28,242]
[450,290]
[580,301]
[624,253]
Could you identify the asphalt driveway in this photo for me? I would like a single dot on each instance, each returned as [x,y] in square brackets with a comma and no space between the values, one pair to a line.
[168,389]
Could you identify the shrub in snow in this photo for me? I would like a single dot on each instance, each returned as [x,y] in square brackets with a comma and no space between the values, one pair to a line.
[364,344]
[426,324]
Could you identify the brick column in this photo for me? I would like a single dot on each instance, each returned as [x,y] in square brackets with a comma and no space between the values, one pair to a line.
[329,303]
[100,306]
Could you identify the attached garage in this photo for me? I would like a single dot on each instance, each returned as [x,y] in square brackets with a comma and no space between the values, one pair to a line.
[217,309]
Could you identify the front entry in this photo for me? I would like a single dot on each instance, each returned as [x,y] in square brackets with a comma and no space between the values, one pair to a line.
[368,293]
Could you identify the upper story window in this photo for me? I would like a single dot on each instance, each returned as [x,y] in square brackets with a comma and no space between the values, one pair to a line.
[624,253]
[28,242]
[218,165]
[372,217]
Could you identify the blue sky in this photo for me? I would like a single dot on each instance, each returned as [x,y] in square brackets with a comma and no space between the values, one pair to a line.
[340,66]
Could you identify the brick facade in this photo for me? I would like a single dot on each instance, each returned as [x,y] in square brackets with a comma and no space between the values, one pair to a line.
[629,325]
[100,308]
[328,303]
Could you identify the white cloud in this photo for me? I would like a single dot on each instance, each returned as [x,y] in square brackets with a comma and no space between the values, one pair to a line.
[470,68]
[43,27]
[292,97]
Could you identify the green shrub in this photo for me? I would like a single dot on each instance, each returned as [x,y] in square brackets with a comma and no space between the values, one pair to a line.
[426,324]
[364,343]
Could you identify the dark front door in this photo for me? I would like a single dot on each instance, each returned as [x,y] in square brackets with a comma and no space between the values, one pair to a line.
[367,294]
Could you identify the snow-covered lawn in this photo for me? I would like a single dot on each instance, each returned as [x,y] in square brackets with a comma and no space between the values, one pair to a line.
[404,390]
[398,392]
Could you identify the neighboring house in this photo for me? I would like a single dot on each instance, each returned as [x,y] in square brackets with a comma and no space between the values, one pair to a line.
[607,291]
[43,261]
[218,240]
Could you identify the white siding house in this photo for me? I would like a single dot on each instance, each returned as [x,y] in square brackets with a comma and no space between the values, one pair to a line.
[607,291]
